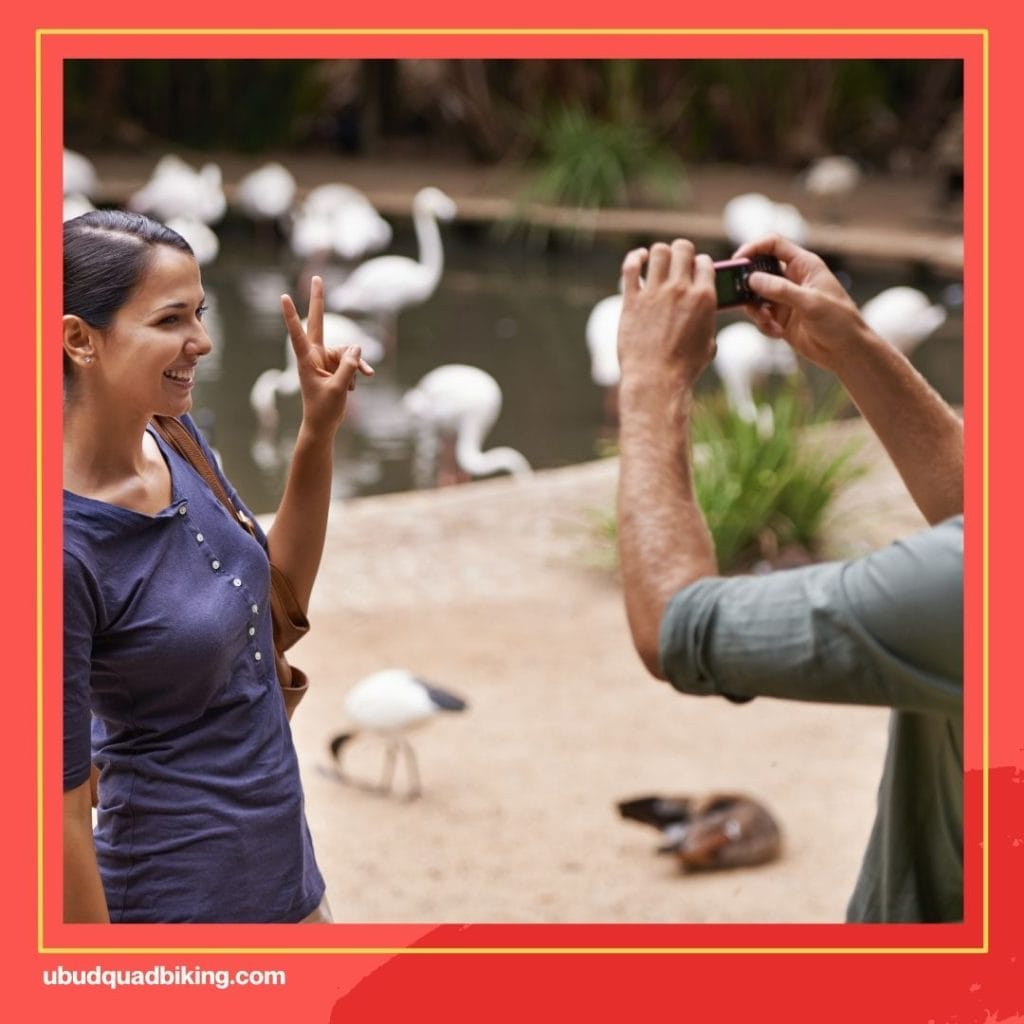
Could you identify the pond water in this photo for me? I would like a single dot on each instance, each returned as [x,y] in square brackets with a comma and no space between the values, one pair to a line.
[515,311]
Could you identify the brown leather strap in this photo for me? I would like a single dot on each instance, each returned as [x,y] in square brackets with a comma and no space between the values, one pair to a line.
[175,433]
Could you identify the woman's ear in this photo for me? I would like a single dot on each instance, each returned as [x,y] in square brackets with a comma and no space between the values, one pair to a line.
[78,341]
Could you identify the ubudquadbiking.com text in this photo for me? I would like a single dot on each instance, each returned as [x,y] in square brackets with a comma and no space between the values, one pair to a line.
[114,978]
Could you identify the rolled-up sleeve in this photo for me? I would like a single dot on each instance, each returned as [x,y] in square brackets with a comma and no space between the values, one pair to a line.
[886,629]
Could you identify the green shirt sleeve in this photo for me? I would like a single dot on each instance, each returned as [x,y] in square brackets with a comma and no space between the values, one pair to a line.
[885,630]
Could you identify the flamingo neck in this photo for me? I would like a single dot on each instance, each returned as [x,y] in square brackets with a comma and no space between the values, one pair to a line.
[428,237]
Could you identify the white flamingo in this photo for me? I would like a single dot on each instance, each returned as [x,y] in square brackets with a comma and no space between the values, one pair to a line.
[338,219]
[80,177]
[456,405]
[602,334]
[903,316]
[744,356]
[752,215]
[175,189]
[75,204]
[266,193]
[831,180]
[384,286]
[390,703]
[338,332]
[201,237]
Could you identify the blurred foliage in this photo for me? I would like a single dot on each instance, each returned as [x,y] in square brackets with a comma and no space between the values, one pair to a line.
[771,112]
[764,496]
[590,163]
[761,494]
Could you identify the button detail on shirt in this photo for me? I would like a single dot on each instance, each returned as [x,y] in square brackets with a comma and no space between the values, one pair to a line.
[199,538]
[182,509]
[255,609]
[236,582]
[258,656]
[215,564]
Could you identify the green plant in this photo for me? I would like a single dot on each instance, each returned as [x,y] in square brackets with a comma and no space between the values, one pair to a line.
[589,163]
[762,493]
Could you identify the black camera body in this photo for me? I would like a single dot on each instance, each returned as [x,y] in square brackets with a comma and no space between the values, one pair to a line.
[731,279]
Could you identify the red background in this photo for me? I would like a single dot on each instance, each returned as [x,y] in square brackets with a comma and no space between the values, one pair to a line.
[837,973]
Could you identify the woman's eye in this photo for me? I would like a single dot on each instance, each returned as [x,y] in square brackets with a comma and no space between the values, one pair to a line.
[201,312]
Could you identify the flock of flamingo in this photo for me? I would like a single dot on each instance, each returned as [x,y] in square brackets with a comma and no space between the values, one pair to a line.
[453,407]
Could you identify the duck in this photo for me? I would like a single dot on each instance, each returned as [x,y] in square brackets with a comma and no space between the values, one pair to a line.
[711,832]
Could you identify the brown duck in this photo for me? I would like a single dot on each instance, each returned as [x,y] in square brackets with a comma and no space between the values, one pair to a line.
[720,830]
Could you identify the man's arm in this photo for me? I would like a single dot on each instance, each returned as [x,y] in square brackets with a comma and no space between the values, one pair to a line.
[921,433]
[666,338]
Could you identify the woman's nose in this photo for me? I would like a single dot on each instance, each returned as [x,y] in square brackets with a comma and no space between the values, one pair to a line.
[200,342]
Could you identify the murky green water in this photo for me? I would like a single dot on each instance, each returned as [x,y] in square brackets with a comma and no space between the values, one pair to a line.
[516,312]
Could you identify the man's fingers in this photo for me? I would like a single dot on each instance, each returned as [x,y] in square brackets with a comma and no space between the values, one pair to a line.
[632,268]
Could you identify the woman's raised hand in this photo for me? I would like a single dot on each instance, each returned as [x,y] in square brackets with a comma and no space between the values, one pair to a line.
[326,375]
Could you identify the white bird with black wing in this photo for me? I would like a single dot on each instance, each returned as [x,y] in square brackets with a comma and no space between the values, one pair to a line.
[390,704]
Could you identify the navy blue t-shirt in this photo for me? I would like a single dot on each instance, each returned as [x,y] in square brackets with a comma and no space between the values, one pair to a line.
[169,665]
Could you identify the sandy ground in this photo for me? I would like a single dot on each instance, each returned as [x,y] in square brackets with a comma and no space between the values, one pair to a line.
[491,589]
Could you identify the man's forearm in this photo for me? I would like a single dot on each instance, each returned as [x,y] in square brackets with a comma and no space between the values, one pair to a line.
[921,433]
[664,543]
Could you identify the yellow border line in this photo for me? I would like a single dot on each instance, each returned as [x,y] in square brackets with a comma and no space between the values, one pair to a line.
[985,836]
[504,950]
[39,487]
[653,31]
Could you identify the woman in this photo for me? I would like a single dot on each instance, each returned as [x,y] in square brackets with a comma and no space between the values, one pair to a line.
[168,650]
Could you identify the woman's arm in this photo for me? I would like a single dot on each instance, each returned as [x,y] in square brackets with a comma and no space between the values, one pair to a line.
[84,900]
[326,375]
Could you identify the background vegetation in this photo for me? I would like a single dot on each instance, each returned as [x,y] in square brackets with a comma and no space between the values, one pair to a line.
[773,112]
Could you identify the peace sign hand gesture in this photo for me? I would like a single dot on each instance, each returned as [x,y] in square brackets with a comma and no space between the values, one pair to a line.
[326,374]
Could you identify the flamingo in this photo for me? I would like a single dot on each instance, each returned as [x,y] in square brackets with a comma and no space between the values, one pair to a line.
[266,193]
[383,286]
[175,189]
[752,215]
[458,405]
[602,334]
[338,332]
[903,316]
[201,237]
[75,204]
[390,703]
[831,180]
[744,355]
[80,177]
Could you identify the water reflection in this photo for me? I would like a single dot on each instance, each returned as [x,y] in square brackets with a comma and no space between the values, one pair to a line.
[516,313]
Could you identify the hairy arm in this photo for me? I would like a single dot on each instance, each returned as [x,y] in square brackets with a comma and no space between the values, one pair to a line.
[921,433]
[666,338]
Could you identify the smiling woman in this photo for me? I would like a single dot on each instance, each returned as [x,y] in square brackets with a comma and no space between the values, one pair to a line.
[170,684]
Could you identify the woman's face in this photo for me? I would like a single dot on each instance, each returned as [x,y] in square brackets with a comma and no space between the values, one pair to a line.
[150,350]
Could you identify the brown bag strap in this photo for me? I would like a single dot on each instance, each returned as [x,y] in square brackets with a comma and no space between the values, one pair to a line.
[176,434]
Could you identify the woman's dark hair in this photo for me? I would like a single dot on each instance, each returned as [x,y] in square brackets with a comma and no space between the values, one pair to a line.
[106,253]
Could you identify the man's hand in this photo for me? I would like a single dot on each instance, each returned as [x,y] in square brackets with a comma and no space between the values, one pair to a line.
[808,307]
[667,327]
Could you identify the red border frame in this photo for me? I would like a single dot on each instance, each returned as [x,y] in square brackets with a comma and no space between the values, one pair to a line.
[963,972]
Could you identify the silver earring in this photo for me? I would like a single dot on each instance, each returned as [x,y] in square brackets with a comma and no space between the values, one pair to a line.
[87,359]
